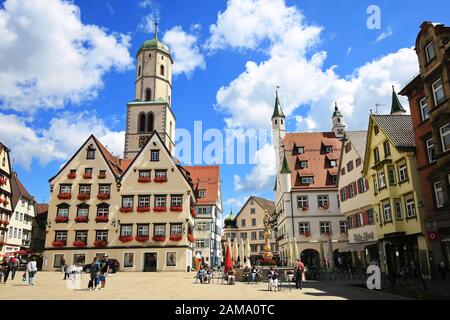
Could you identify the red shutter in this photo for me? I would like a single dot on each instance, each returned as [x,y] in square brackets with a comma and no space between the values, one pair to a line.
[365,218]
[347,191]
[355,187]
[359,186]
[367,183]
[355,220]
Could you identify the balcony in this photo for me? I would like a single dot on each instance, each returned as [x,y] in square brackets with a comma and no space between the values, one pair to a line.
[102,176]
[64,196]
[4,222]
[84,196]
[103,196]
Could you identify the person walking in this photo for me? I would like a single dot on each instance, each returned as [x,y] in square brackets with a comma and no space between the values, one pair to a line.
[104,272]
[31,269]
[64,267]
[3,266]
[13,266]
[299,269]
[94,274]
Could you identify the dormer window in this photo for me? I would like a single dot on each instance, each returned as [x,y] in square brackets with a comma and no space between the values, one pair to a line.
[201,193]
[303,164]
[154,156]
[90,154]
[334,179]
[300,150]
[328,149]
[333,163]
[377,130]
[429,51]
[307,180]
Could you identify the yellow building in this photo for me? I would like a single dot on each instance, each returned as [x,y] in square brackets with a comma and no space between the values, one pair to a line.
[390,167]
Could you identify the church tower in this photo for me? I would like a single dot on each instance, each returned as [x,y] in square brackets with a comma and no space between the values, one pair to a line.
[151,110]
[338,123]
[278,131]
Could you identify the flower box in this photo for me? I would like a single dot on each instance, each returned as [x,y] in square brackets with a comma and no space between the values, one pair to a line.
[126,238]
[103,196]
[126,210]
[176,209]
[1,200]
[2,243]
[72,175]
[305,208]
[144,180]
[84,196]
[79,244]
[4,222]
[60,243]
[81,219]
[143,209]
[176,237]
[191,238]
[160,180]
[2,181]
[307,235]
[324,207]
[100,243]
[64,196]
[101,219]
[159,238]
[193,213]
[142,238]
[61,219]
[160,209]
[5,202]
[102,176]
[87,176]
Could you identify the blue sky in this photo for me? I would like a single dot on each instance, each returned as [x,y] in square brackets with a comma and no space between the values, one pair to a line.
[334,57]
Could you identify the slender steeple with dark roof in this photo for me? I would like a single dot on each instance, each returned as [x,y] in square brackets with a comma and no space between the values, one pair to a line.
[277,112]
[397,107]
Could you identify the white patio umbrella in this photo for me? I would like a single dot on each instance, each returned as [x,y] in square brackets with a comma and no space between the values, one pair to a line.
[296,253]
[229,243]
[235,251]
[249,252]
[241,252]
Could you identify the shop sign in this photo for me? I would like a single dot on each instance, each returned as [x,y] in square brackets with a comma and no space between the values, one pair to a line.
[363,237]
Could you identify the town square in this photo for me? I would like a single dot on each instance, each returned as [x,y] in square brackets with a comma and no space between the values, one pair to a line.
[251,150]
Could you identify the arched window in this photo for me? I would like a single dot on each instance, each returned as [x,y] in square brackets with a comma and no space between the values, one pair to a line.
[148,94]
[141,122]
[150,122]
[162,70]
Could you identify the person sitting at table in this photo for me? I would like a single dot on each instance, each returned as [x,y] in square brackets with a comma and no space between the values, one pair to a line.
[246,274]
[231,276]
[209,274]
[273,279]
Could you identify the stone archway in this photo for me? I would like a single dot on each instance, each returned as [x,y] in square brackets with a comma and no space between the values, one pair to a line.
[310,258]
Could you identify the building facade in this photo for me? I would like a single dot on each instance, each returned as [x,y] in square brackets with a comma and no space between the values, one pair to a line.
[356,201]
[24,205]
[5,196]
[138,210]
[391,168]
[207,232]
[39,228]
[249,224]
[428,95]
[306,191]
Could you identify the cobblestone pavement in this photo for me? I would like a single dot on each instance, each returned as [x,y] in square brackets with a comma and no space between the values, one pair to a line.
[174,286]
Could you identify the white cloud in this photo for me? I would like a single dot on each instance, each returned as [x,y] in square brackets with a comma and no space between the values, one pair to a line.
[146,3]
[384,35]
[185,51]
[48,57]
[57,142]
[261,175]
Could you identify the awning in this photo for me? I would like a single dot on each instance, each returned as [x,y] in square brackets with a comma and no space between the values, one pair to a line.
[355,247]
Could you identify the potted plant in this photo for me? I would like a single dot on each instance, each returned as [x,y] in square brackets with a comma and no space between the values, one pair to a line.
[81,219]
[126,209]
[143,209]
[103,196]
[176,208]
[176,237]
[100,243]
[126,238]
[59,243]
[159,238]
[160,209]
[101,219]
[79,244]
[142,238]
[144,180]
[61,219]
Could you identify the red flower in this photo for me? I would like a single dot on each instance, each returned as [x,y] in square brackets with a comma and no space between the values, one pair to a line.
[307,234]
[160,209]
[144,180]
[142,238]
[176,237]
[305,208]
[61,219]
[64,196]
[2,181]
[4,222]
[84,196]
[160,179]
[2,243]
[77,243]
[101,219]
[159,238]
[59,243]
[126,238]
[103,196]
[191,237]
[126,210]
[81,219]
[143,209]
[193,213]
[87,176]
[176,208]
[100,243]
[72,175]
[5,202]
[102,176]
[1,200]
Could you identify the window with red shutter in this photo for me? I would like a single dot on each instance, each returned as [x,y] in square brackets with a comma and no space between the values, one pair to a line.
[365,218]
[355,187]
[367,184]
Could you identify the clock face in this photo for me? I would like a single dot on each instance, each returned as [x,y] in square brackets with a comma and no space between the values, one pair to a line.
[143,140]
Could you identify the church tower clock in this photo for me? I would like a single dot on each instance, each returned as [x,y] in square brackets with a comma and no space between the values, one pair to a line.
[151,110]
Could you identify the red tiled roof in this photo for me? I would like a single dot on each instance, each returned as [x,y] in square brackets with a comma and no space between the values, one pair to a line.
[318,161]
[205,178]
[18,190]
[113,161]
[125,163]
[41,208]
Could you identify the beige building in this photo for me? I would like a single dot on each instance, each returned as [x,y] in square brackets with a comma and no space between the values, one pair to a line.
[5,196]
[138,210]
[249,224]
[356,201]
